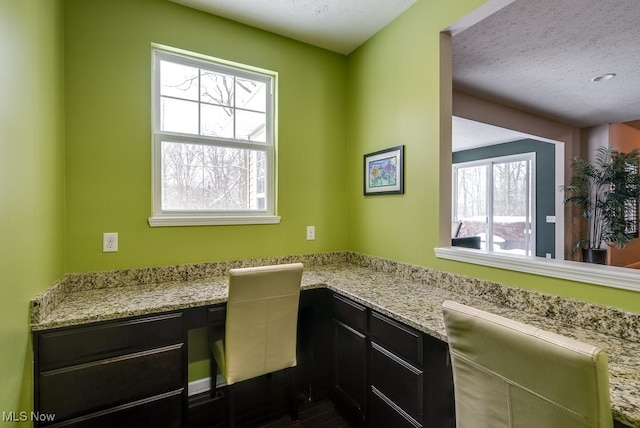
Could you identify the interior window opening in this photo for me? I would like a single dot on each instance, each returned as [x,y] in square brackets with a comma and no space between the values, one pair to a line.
[493,200]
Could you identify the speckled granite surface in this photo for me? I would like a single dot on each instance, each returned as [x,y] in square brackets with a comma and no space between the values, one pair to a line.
[410,294]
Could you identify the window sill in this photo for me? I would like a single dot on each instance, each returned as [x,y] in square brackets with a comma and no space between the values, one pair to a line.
[202,220]
[609,276]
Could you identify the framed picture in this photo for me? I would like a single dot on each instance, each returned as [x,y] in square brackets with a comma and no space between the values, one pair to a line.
[384,171]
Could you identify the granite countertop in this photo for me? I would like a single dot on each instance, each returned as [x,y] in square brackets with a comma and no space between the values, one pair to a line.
[409,294]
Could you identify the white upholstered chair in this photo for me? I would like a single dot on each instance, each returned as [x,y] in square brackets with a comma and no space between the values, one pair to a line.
[509,374]
[261,326]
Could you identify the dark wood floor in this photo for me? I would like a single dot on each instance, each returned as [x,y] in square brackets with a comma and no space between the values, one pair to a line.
[314,415]
[205,412]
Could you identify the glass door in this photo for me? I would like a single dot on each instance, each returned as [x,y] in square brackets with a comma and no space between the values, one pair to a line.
[494,200]
[470,210]
[511,225]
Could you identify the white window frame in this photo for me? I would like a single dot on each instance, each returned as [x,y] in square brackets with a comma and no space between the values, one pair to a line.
[531,209]
[161,217]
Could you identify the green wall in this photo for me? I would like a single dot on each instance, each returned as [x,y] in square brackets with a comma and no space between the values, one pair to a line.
[108,114]
[31,181]
[394,99]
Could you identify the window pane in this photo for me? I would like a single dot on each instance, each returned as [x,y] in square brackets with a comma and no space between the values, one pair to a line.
[217,88]
[251,95]
[511,207]
[217,106]
[217,121]
[177,80]
[199,177]
[471,202]
[250,126]
[258,182]
[261,166]
[179,116]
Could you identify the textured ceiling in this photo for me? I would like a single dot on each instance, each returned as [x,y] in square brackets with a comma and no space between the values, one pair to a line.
[535,55]
[469,134]
[336,25]
[540,56]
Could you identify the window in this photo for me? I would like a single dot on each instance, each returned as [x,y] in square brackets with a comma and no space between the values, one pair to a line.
[631,209]
[213,143]
[493,199]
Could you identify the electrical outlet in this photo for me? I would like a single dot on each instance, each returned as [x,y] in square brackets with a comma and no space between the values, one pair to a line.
[311,233]
[110,242]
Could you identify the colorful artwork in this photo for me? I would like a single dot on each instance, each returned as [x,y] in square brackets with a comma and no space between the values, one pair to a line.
[383,172]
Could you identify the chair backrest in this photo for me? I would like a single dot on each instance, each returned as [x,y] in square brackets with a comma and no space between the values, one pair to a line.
[509,374]
[455,228]
[262,320]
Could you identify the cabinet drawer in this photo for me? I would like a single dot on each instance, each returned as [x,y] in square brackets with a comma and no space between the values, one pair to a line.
[397,337]
[385,414]
[349,313]
[217,314]
[98,385]
[161,411]
[110,339]
[398,380]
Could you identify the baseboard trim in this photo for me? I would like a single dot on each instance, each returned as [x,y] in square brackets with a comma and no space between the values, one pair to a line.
[204,385]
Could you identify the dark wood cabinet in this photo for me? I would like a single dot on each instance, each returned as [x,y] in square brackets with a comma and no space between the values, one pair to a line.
[112,373]
[438,398]
[315,335]
[158,411]
[350,357]
[385,414]
[397,380]
[349,313]
[402,340]
[349,376]
[132,372]
[405,374]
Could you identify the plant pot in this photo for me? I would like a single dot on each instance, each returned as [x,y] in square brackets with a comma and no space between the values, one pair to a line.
[594,255]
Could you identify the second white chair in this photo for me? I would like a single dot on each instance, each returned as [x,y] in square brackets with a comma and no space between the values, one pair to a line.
[507,374]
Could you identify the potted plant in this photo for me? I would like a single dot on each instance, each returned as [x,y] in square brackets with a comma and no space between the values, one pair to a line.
[606,192]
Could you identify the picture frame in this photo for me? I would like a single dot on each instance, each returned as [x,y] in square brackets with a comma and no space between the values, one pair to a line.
[384,172]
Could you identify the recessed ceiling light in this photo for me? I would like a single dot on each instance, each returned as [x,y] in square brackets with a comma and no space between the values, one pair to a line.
[603,77]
